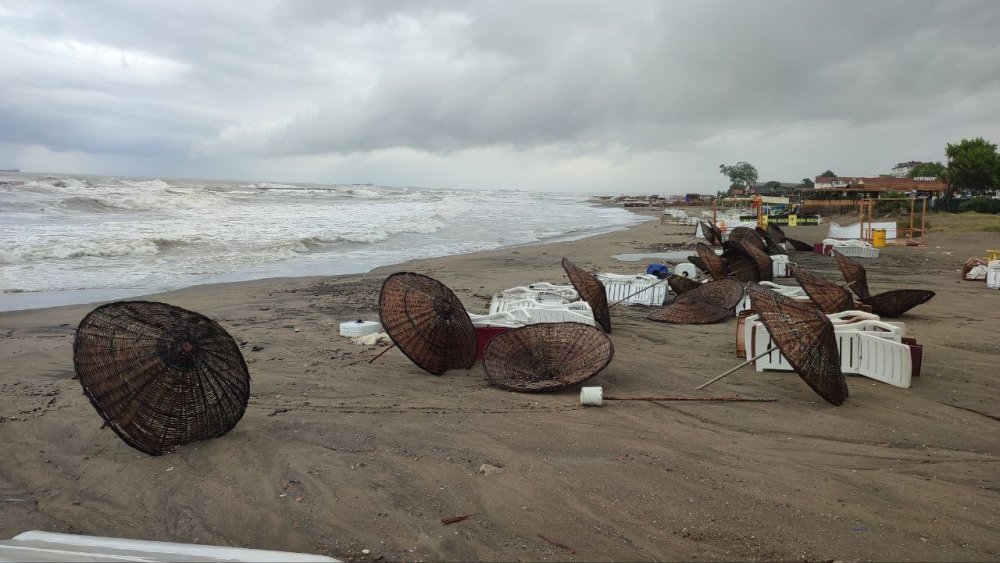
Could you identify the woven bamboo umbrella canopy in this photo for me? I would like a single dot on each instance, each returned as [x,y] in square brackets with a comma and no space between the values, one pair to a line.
[708,231]
[830,297]
[160,376]
[895,302]
[748,236]
[854,274]
[680,284]
[775,232]
[739,263]
[761,258]
[709,303]
[806,339]
[546,356]
[591,290]
[427,322]
[799,245]
[698,263]
[711,261]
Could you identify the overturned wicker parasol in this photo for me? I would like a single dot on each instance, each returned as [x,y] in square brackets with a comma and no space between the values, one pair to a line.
[427,322]
[761,258]
[708,230]
[806,338]
[547,356]
[160,376]
[591,290]
[891,303]
[854,274]
[711,261]
[681,284]
[739,264]
[895,302]
[776,234]
[710,303]
[799,245]
[748,236]
[830,297]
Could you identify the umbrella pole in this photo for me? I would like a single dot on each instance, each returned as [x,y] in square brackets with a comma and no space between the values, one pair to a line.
[746,363]
[678,398]
[390,347]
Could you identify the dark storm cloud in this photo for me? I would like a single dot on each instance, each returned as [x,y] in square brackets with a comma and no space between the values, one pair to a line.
[612,80]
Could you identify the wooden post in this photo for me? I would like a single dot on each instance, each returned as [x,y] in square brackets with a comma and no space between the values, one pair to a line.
[923,216]
[748,362]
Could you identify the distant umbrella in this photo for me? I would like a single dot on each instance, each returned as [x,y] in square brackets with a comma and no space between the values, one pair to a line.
[806,339]
[427,322]
[710,303]
[830,297]
[546,356]
[591,290]
[160,376]
[711,261]
[739,263]
[799,245]
[680,284]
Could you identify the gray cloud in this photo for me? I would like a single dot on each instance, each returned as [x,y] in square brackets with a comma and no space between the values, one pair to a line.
[607,87]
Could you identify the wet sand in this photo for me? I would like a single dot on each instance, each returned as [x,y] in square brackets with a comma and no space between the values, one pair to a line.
[336,455]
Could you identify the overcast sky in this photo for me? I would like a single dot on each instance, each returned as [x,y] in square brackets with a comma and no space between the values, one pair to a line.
[579,96]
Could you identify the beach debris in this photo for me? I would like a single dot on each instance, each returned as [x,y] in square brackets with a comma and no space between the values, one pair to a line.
[805,336]
[546,356]
[427,322]
[594,397]
[256,348]
[557,544]
[160,376]
[892,303]
[591,290]
[487,469]
[709,303]
[456,519]
[373,339]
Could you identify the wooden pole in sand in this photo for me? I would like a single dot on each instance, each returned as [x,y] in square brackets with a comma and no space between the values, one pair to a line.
[746,363]
[679,398]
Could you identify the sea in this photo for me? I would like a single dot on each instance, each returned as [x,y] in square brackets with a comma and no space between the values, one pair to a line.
[67,239]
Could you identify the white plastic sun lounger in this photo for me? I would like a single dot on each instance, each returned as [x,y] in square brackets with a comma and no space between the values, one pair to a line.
[869,348]
[643,289]
[54,547]
[520,296]
[579,312]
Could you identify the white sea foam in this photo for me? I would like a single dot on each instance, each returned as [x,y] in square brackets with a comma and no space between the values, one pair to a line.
[143,235]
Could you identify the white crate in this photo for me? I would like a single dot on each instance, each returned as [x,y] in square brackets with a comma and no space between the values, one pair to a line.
[643,289]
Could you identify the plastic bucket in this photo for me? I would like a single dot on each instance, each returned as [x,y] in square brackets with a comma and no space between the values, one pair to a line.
[591,396]
[878,238]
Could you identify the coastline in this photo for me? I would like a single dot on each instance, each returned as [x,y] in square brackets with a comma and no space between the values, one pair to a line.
[336,455]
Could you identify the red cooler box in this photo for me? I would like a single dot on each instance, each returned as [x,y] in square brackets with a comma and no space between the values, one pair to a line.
[485,334]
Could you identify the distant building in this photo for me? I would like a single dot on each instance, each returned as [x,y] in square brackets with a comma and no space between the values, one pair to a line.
[903,169]
[855,187]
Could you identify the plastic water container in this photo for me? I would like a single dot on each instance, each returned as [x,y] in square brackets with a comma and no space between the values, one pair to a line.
[687,270]
[359,328]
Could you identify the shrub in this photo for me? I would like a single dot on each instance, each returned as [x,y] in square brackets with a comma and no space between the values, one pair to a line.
[981,205]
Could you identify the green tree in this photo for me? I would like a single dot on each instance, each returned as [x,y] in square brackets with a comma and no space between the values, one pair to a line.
[973,164]
[807,182]
[928,169]
[829,173]
[741,175]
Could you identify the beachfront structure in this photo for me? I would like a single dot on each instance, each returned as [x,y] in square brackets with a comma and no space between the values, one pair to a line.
[846,191]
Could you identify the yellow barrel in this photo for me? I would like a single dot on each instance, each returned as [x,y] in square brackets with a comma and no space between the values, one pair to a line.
[878,238]
[992,255]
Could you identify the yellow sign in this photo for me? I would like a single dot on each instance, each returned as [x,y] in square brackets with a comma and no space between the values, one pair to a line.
[762,221]
[793,221]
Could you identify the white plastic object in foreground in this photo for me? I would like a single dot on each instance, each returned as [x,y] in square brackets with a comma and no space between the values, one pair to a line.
[591,396]
[50,546]
[359,328]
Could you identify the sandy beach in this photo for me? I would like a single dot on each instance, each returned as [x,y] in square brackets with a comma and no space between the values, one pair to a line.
[336,455]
